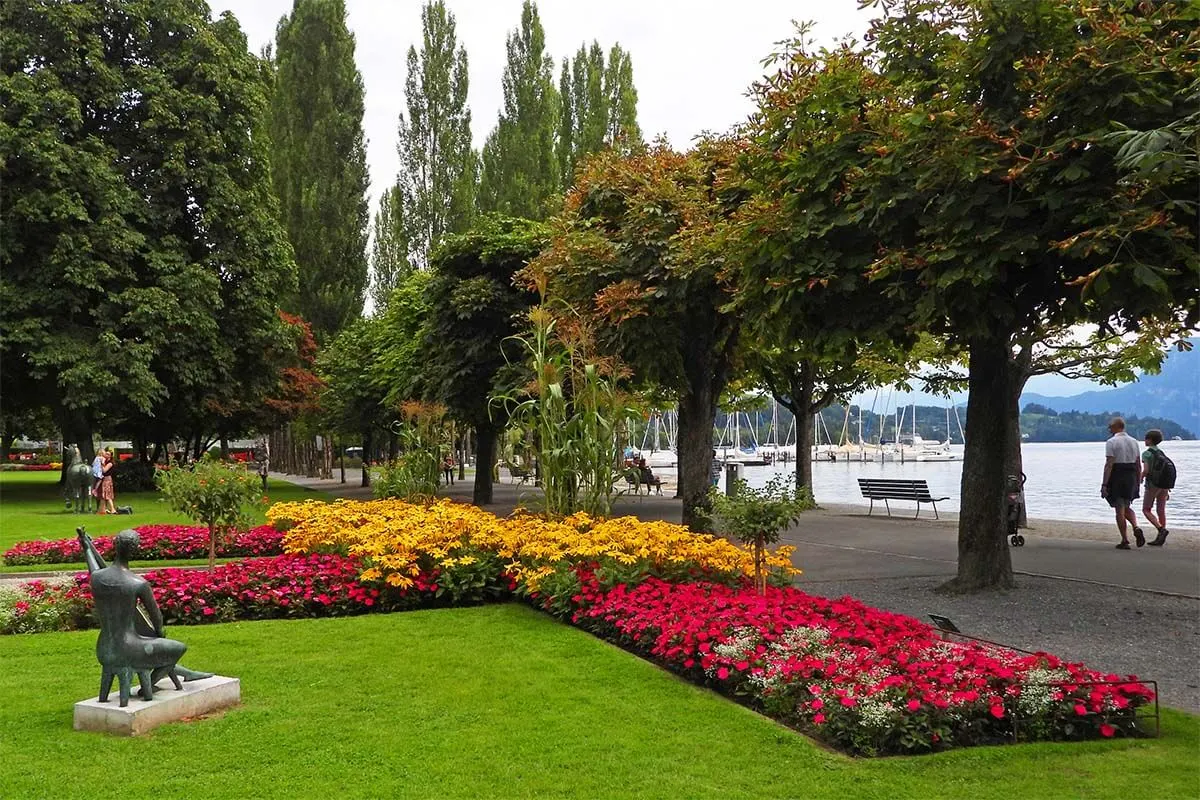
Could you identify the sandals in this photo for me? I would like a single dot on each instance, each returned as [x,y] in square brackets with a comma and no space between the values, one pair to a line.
[1124,546]
[1139,537]
[1161,538]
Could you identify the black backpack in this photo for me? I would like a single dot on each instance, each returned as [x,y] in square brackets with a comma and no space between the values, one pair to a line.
[1162,470]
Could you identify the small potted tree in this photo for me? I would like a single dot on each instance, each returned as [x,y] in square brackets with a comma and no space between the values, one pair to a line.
[213,494]
[756,517]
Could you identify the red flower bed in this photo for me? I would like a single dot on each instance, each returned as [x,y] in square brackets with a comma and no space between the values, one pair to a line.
[867,681]
[260,588]
[158,542]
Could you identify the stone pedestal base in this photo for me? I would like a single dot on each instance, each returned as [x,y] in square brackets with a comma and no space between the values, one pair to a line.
[169,704]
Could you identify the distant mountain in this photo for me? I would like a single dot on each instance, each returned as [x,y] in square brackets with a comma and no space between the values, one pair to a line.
[1172,394]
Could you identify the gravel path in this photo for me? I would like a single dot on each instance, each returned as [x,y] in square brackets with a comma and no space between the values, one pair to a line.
[1153,636]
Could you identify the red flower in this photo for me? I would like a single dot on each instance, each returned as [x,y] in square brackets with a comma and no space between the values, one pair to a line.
[1107,730]
[818,719]
[913,705]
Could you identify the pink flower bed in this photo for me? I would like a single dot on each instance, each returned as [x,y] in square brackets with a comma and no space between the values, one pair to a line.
[158,542]
[867,681]
[262,588]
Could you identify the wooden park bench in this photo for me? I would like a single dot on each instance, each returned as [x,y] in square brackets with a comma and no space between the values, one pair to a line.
[633,479]
[516,473]
[892,489]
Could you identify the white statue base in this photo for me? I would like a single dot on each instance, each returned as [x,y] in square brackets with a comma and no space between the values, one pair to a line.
[169,705]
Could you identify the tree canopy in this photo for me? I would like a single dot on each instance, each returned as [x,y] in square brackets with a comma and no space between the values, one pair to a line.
[319,161]
[142,257]
[634,253]
[599,106]
[438,168]
[968,136]
[474,307]
[520,173]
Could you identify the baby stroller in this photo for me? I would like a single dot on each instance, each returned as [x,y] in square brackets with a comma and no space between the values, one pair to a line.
[1012,508]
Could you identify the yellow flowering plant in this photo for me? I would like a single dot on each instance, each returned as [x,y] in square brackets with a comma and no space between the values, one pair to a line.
[399,541]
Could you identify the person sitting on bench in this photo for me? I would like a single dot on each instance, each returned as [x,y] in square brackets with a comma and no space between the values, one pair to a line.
[648,478]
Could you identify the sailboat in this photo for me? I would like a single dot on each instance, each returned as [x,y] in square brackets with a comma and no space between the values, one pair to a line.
[932,451]
[660,457]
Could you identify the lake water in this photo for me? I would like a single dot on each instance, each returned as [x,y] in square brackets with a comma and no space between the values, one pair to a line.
[1063,481]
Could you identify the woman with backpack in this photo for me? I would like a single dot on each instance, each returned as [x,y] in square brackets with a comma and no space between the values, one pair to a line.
[1159,473]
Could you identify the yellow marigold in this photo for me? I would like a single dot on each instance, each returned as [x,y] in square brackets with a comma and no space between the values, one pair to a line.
[396,538]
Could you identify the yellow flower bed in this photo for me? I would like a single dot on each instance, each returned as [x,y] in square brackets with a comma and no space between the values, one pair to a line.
[397,536]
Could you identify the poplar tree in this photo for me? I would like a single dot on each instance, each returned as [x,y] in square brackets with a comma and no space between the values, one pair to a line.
[438,167]
[520,171]
[599,106]
[319,161]
[389,247]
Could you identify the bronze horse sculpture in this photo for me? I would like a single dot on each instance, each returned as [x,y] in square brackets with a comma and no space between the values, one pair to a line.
[78,485]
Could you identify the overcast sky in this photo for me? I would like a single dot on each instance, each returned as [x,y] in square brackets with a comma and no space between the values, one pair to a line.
[693,61]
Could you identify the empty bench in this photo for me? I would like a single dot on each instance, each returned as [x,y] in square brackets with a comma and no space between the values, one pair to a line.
[892,489]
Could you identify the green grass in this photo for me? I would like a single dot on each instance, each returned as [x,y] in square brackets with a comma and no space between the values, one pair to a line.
[31,507]
[500,701]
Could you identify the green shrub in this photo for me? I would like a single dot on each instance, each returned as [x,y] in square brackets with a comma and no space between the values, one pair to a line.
[133,475]
[757,516]
[213,494]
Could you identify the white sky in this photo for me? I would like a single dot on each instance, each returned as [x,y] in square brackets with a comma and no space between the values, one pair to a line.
[692,61]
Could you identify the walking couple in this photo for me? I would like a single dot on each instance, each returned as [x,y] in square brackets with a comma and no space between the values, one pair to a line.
[1124,470]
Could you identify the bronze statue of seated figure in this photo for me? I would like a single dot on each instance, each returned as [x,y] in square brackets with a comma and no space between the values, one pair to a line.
[131,635]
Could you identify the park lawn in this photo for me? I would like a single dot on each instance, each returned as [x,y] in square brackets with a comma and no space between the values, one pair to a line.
[31,507]
[497,701]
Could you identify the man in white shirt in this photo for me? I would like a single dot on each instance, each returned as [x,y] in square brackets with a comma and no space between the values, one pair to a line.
[1122,471]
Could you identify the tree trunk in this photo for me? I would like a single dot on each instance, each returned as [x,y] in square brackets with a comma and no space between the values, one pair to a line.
[984,561]
[804,385]
[367,444]
[6,443]
[697,414]
[485,442]
[804,446]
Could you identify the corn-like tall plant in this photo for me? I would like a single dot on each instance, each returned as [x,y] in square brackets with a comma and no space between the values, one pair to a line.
[415,475]
[573,412]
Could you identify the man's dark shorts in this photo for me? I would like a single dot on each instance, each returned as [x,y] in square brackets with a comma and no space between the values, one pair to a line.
[1122,485]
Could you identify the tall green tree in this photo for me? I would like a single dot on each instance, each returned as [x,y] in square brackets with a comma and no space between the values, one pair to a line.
[389,247]
[438,168]
[474,310]
[635,253]
[319,161]
[519,172]
[142,257]
[599,106]
[1000,209]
